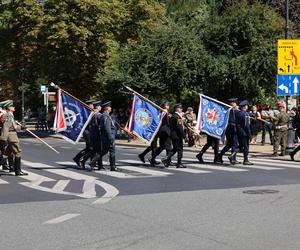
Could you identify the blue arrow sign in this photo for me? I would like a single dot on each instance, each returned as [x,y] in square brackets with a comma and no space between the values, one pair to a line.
[288,85]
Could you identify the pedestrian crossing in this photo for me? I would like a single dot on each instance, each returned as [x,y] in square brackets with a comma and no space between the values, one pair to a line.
[59,176]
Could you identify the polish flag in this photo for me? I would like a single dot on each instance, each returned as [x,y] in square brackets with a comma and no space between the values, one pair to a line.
[59,120]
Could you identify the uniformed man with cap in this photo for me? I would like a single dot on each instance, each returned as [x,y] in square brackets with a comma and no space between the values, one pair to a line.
[87,138]
[243,130]
[95,131]
[177,136]
[108,135]
[231,134]
[164,135]
[10,138]
[280,121]
[94,134]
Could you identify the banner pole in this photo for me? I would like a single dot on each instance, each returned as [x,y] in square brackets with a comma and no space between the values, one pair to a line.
[145,98]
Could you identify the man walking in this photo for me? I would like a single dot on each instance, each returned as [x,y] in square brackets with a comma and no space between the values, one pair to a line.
[177,136]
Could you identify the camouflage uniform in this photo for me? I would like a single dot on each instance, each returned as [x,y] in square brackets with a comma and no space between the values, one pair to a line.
[281,121]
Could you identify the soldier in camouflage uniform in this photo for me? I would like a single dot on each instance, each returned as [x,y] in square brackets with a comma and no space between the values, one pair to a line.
[9,140]
[280,121]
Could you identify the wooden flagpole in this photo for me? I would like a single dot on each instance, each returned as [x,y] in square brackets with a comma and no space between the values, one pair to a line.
[145,98]
[42,141]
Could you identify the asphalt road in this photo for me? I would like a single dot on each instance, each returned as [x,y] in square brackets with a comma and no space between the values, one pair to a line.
[205,206]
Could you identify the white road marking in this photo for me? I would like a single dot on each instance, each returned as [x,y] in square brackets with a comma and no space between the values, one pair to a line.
[244,166]
[3,181]
[110,191]
[220,168]
[280,164]
[61,185]
[189,170]
[145,171]
[65,147]
[89,188]
[61,219]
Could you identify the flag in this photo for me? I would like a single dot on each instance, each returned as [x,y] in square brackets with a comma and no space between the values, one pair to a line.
[71,117]
[213,117]
[145,119]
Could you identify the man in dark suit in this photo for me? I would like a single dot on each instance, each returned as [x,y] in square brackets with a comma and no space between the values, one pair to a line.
[231,135]
[243,130]
[164,134]
[95,132]
[177,136]
[108,135]
[87,138]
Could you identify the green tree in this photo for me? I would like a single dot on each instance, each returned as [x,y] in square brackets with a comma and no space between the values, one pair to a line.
[242,43]
[163,65]
[20,25]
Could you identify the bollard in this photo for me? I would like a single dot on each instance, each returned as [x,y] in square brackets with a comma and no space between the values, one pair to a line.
[290,140]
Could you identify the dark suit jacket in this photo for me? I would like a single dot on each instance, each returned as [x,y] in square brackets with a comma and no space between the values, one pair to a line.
[176,126]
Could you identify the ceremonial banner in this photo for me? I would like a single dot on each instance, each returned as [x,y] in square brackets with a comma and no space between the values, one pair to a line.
[213,117]
[145,119]
[72,116]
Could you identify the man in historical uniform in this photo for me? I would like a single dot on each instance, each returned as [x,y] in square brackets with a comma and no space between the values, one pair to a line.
[280,121]
[231,134]
[87,138]
[177,136]
[108,136]
[9,138]
[243,130]
[164,133]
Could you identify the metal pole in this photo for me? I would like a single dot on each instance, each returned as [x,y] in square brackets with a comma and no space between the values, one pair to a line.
[286,37]
[23,103]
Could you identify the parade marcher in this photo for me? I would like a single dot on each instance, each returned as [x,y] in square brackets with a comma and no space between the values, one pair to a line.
[231,135]
[177,136]
[164,134]
[190,118]
[108,136]
[95,131]
[243,130]
[211,142]
[255,124]
[9,138]
[149,149]
[87,138]
[281,121]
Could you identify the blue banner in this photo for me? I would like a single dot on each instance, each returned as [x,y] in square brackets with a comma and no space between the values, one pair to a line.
[76,117]
[212,117]
[145,119]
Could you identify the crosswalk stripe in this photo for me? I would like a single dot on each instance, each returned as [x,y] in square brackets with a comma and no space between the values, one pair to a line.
[145,171]
[214,167]
[120,175]
[252,166]
[3,181]
[288,165]
[61,185]
[187,170]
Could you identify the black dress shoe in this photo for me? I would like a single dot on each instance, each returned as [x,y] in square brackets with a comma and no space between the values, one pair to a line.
[282,154]
[165,162]
[77,162]
[199,157]
[114,169]
[142,158]
[20,173]
[172,164]
[247,163]
[292,156]
[101,168]
[180,166]
[218,159]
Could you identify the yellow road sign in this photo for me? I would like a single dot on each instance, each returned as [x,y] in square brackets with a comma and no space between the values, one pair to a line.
[288,57]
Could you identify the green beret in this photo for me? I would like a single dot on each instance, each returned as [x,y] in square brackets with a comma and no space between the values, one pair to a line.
[9,104]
